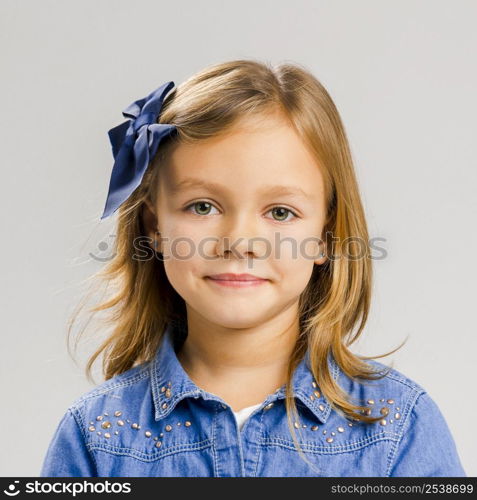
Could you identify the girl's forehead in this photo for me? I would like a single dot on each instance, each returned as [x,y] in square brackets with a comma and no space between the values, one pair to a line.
[277,151]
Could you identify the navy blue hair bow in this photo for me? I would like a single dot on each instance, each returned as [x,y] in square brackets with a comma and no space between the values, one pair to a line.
[134,144]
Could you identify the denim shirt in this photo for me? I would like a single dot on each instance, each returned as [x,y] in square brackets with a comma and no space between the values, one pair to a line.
[152,420]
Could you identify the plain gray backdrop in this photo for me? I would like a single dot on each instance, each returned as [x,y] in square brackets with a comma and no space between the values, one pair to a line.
[403,76]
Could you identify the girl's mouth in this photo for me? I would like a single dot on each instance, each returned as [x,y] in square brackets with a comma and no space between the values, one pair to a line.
[236,280]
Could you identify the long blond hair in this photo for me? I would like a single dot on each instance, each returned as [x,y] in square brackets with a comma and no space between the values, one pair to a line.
[337,298]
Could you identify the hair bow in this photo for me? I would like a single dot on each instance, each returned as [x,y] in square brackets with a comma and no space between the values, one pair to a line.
[134,144]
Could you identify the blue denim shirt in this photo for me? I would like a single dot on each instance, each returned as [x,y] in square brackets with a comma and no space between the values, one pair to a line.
[152,420]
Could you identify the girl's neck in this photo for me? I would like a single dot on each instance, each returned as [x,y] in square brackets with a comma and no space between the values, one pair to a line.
[241,366]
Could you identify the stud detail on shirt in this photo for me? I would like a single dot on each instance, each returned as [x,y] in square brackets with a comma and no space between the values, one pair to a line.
[107,424]
[384,411]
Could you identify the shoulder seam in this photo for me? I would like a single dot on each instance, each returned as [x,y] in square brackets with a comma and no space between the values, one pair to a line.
[398,377]
[409,408]
[76,414]
[143,373]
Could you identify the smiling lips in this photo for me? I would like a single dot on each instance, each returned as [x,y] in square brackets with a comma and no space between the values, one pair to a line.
[236,280]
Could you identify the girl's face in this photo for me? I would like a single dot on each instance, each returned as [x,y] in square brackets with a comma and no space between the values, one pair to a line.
[251,201]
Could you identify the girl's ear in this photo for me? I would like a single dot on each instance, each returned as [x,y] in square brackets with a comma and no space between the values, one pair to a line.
[321,259]
[149,220]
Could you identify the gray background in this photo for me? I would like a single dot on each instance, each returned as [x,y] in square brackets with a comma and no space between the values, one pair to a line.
[403,77]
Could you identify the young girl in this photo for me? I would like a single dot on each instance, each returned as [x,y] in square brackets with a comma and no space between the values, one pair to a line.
[241,270]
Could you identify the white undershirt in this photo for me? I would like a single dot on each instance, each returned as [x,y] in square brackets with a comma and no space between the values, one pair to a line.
[243,414]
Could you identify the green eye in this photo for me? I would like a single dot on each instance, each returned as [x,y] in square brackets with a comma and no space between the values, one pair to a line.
[281,213]
[201,207]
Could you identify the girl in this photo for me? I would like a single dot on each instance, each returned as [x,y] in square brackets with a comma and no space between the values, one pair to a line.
[241,269]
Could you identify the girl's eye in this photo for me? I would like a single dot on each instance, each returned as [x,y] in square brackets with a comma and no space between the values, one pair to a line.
[282,213]
[202,207]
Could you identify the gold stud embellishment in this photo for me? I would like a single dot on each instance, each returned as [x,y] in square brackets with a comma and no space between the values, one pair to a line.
[178,424]
[163,388]
[324,432]
[91,428]
[397,416]
[317,394]
[313,384]
[120,422]
[384,410]
[350,424]
[135,426]
[390,401]
[117,413]
[383,421]
[333,433]
[107,435]
[370,401]
[329,439]
[99,433]
[266,408]
[158,444]
[106,414]
[321,407]
[116,432]
[340,429]
[164,406]
[187,424]
[312,397]
[314,428]
[106,424]
[296,425]
[148,434]
[168,393]
[168,428]
[99,417]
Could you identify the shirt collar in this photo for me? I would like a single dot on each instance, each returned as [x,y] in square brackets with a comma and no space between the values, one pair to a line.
[170,383]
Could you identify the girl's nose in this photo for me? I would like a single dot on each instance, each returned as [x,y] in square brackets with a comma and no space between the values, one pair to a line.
[242,238]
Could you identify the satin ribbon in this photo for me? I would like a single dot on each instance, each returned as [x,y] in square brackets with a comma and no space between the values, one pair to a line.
[134,144]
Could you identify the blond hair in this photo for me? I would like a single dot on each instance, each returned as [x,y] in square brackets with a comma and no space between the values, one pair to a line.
[337,298]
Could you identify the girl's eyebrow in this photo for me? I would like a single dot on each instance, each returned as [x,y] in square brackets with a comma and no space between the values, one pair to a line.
[277,190]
